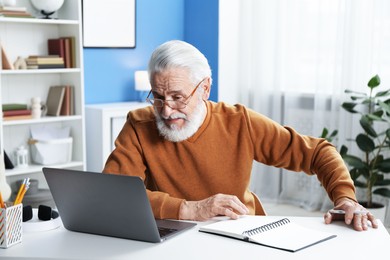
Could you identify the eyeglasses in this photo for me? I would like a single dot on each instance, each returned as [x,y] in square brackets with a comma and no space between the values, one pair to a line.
[174,104]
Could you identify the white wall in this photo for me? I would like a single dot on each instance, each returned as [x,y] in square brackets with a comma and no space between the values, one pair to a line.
[228,33]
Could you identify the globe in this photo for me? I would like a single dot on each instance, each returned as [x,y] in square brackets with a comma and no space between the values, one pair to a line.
[47,7]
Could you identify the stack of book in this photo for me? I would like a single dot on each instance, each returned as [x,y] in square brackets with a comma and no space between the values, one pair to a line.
[15,12]
[60,101]
[16,111]
[45,62]
[64,47]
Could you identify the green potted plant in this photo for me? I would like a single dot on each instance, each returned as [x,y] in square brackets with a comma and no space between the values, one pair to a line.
[371,163]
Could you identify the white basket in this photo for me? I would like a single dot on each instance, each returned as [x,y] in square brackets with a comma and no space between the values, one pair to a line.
[53,151]
[11,226]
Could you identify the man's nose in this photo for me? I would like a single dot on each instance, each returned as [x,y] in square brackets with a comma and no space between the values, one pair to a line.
[166,110]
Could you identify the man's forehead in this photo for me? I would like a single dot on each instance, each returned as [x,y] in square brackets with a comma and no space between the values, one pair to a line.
[170,82]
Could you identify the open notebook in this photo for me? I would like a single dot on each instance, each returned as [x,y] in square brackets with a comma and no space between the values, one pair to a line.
[280,233]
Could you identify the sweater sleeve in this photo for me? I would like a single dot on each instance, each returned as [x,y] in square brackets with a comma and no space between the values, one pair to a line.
[283,147]
[128,159]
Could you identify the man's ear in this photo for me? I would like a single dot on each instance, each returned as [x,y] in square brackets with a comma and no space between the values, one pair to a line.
[206,88]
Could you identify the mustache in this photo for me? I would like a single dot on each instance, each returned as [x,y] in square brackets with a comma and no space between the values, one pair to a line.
[174,116]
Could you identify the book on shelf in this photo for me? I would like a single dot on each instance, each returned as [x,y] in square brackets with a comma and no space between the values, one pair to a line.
[44,62]
[67,108]
[54,100]
[13,8]
[46,66]
[65,48]
[13,106]
[52,59]
[60,101]
[275,232]
[56,47]
[18,112]
[15,12]
[21,117]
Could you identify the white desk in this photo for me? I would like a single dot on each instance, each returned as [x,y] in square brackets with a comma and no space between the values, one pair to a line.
[192,244]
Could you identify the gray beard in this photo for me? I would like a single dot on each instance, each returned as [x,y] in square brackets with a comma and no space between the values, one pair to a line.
[189,128]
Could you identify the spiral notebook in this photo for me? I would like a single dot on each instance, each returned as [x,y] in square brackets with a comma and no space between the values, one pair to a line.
[279,233]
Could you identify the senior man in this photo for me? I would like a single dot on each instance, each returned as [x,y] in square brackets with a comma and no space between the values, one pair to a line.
[195,156]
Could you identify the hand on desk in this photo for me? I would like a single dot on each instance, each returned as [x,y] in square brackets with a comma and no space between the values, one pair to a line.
[354,213]
[217,205]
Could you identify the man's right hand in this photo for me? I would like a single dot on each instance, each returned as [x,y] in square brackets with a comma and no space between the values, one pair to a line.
[216,205]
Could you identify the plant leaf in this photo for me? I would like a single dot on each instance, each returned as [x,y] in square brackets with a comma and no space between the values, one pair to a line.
[349,91]
[365,143]
[360,184]
[375,116]
[354,161]
[374,82]
[384,166]
[384,106]
[324,133]
[355,174]
[385,192]
[366,123]
[349,106]
[383,93]
[383,182]
[343,150]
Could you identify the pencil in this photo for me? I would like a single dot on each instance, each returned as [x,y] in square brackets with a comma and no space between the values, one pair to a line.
[22,195]
[1,201]
[20,191]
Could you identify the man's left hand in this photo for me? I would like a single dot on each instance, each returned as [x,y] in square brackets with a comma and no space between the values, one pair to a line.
[355,214]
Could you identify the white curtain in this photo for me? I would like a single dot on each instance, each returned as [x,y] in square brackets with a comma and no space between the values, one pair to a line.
[291,60]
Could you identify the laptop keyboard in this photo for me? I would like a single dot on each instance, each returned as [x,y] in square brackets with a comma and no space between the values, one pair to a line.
[165,231]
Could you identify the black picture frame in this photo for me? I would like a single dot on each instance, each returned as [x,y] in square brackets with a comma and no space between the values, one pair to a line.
[109,24]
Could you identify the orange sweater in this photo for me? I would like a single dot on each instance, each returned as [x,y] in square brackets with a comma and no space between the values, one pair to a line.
[219,157]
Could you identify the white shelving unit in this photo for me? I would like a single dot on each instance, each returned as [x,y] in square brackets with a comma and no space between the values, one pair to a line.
[28,36]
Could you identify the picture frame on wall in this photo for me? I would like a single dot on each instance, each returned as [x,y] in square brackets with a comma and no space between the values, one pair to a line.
[109,24]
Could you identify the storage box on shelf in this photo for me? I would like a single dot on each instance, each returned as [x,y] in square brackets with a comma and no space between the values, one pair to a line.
[23,37]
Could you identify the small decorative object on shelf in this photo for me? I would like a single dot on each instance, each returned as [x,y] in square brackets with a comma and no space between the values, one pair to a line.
[20,63]
[21,157]
[47,7]
[36,107]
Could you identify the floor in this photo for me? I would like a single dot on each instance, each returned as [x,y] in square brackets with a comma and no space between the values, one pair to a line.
[284,209]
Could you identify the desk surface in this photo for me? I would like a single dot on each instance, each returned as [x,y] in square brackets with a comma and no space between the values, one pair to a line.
[63,244]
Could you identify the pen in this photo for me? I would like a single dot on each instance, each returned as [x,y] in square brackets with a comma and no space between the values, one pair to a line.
[340,211]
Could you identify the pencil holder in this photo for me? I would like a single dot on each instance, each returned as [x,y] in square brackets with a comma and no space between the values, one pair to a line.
[11,225]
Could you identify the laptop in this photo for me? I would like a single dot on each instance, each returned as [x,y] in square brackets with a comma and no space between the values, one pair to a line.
[109,205]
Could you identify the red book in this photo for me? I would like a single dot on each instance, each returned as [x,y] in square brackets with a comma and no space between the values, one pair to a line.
[20,112]
[57,47]
[67,58]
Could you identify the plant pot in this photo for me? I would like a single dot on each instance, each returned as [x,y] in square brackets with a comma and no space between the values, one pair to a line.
[377,209]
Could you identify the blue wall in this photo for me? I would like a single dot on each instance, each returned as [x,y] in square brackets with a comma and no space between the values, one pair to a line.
[201,30]
[109,73]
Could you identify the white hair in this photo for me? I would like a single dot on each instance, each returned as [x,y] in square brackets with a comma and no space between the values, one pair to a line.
[179,54]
